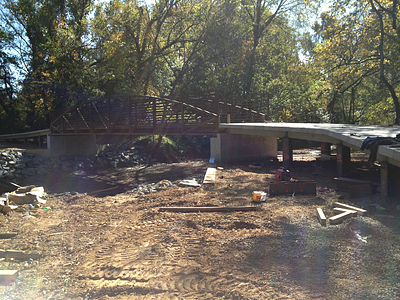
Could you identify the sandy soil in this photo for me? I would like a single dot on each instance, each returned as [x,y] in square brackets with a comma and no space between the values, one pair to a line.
[121,247]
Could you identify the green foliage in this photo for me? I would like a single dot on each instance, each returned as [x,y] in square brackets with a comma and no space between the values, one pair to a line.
[65,52]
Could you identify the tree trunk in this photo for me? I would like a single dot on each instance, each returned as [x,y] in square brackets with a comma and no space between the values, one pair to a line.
[388,85]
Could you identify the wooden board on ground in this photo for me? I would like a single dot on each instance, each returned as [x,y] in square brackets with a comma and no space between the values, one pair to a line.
[210,175]
[8,276]
[344,182]
[208,208]
[360,190]
[18,254]
[339,218]
[300,187]
[7,235]
[339,210]
[359,211]
[321,216]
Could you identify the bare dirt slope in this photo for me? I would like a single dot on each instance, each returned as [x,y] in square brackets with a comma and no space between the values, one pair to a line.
[122,247]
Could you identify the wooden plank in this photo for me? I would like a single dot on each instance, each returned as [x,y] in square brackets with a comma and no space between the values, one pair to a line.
[17,254]
[345,183]
[359,211]
[210,175]
[339,218]
[360,190]
[339,210]
[7,235]
[321,216]
[208,208]
[300,187]
[8,276]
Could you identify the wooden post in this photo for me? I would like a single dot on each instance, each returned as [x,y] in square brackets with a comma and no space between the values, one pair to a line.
[342,160]
[228,118]
[287,149]
[384,178]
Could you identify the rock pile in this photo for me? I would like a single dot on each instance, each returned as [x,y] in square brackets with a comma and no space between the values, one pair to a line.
[14,164]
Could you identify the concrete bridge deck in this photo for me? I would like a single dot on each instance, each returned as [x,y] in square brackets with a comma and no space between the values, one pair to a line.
[348,135]
[343,135]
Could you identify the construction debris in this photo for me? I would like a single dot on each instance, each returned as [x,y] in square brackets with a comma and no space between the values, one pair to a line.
[17,254]
[7,235]
[340,217]
[8,276]
[321,216]
[342,211]
[210,175]
[188,182]
[359,211]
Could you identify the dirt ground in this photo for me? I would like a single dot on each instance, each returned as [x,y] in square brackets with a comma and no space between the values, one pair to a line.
[122,247]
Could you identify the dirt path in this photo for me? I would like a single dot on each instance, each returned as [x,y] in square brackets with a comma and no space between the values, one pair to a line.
[121,247]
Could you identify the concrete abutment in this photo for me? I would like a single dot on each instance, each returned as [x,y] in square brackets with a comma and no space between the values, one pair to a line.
[72,145]
[227,147]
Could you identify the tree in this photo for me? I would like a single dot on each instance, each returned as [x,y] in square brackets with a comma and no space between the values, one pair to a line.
[356,52]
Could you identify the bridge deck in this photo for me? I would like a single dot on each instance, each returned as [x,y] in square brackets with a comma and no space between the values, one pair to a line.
[349,135]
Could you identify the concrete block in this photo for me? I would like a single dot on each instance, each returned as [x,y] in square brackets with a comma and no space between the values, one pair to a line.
[321,216]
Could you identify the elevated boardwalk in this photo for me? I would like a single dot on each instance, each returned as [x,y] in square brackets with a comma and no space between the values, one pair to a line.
[343,135]
[351,136]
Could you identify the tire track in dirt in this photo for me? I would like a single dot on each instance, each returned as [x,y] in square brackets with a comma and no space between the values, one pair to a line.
[173,264]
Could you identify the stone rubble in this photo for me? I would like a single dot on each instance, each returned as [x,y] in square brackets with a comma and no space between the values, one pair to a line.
[17,164]
[14,164]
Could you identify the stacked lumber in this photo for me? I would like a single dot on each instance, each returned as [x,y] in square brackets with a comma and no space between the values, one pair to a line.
[341,212]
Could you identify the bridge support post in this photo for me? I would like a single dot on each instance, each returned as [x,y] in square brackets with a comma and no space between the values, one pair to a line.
[72,145]
[227,147]
[384,178]
[342,160]
[287,149]
[326,149]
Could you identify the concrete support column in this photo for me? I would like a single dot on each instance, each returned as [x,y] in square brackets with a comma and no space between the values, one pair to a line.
[227,147]
[287,149]
[384,178]
[343,160]
[326,149]
[72,145]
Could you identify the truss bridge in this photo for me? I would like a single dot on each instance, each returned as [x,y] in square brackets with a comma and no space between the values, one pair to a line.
[148,115]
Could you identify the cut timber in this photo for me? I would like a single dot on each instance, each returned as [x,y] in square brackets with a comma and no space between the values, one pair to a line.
[360,190]
[321,216]
[208,208]
[344,183]
[339,218]
[210,175]
[7,235]
[8,276]
[299,187]
[339,210]
[359,211]
[17,254]
[255,167]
